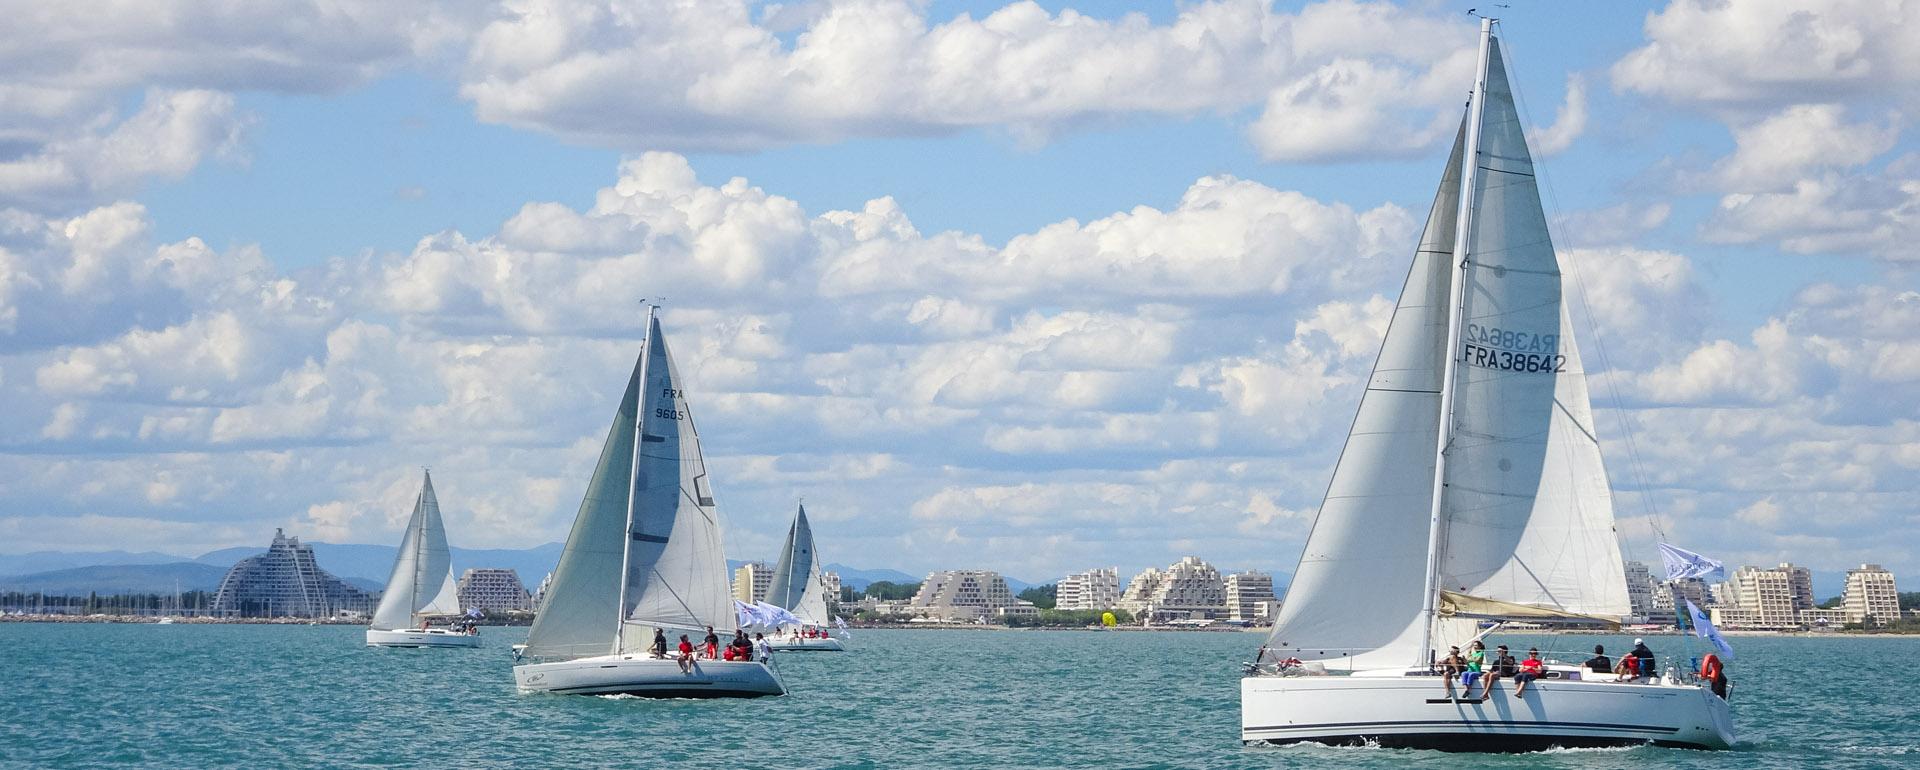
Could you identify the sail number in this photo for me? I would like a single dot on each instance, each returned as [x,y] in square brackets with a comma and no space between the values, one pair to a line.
[670,414]
[1507,360]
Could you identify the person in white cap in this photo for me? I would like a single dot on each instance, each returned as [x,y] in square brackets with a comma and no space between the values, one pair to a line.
[1645,655]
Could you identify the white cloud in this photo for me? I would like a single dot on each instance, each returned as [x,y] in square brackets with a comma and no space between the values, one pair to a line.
[1568,125]
[1776,52]
[1774,153]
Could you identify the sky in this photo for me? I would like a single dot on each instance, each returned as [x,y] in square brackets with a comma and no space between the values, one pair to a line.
[1035,287]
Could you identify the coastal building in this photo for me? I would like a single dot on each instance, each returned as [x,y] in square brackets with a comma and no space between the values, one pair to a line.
[286,582]
[1095,589]
[1763,599]
[540,594]
[1250,596]
[1640,588]
[831,582]
[751,580]
[1817,619]
[1800,582]
[1870,597]
[1189,589]
[493,590]
[1672,595]
[962,596]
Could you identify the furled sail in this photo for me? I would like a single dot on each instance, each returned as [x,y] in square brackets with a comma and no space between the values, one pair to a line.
[1527,512]
[796,580]
[677,567]
[422,579]
[1356,595]
[582,598]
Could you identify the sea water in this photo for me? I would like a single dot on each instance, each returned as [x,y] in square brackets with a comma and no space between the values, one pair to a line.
[79,695]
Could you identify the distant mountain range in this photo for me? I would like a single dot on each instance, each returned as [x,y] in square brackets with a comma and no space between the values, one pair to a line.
[366,566]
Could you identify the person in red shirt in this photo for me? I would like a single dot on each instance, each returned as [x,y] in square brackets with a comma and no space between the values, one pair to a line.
[1715,674]
[1530,669]
[686,655]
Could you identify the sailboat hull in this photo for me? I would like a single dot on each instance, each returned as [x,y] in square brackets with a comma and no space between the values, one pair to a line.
[827,644]
[418,638]
[1410,710]
[649,677]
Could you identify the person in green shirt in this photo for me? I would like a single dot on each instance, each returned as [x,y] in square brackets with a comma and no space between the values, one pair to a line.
[1476,664]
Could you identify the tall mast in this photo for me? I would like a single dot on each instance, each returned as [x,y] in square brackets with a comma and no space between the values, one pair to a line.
[1462,235]
[633,477]
[417,527]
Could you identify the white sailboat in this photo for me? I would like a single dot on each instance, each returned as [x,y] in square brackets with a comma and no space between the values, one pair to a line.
[421,585]
[796,587]
[645,554]
[1471,489]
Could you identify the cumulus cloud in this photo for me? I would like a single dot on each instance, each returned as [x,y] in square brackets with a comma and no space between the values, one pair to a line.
[644,74]
[1772,52]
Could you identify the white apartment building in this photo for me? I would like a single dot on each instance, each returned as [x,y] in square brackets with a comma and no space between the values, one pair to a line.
[1189,589]
[1640,589]
[1250,596]
[751,580]
[493,590]
[831,582]
[1764,598]
[1095,589]
[961,596]
[1870,596]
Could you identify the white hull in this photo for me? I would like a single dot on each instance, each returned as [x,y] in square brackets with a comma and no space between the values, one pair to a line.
[1405,710]
[417,638]
[789,644]
[649,677]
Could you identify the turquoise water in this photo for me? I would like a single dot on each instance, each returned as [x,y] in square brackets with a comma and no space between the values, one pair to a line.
[262,696]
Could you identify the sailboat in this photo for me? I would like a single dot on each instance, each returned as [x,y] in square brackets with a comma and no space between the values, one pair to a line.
[421,585]
[1471,490]
[645,554]
[796,587]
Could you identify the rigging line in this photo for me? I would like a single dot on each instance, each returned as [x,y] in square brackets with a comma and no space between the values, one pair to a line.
[1552,199]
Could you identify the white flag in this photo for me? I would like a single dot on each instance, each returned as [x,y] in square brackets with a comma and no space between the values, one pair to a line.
[1683,564]
[1703,628]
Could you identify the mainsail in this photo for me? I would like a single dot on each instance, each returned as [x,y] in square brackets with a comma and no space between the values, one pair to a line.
[1525,514]
[422,579]
[796,581]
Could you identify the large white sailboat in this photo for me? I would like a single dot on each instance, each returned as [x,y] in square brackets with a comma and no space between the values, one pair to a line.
[421,585]
[1471,490]
[796,587]
[645,554]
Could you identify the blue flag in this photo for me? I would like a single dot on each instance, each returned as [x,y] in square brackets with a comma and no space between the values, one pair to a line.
[1703,628]
[1683,564]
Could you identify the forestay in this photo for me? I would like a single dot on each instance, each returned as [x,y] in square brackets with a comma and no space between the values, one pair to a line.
[422,579]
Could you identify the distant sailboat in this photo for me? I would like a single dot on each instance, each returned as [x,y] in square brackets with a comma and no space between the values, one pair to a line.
[645,554]
[796,587]
[421,585]
[1471,489]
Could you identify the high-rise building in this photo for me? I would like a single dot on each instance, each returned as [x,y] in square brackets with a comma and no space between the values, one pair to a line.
[1800,580]
[1764,597]
[1639,589]
[1189,589]
[751,580]
[493,590]
[1095,589]
[961,595]
[831,582]
[1250,596]
[286,582]
[1870,596]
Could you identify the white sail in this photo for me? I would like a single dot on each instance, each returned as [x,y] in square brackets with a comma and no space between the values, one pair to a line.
[1527,512]
[796,581]
[1356,595]
[677,565]
[582,601]
[422,579]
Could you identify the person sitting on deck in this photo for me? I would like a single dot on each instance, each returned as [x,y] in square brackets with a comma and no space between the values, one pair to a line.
[1476,662]
[686,655]
[741,645]
[1503,666]
[1599,663]
[659,646]
[1451,666]
[1530,669]
[1628,669]
[1715,674]
[1647,667]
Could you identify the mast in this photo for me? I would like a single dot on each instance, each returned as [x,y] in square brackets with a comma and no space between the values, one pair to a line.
[1462,237]
[418,534]
[633,477]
